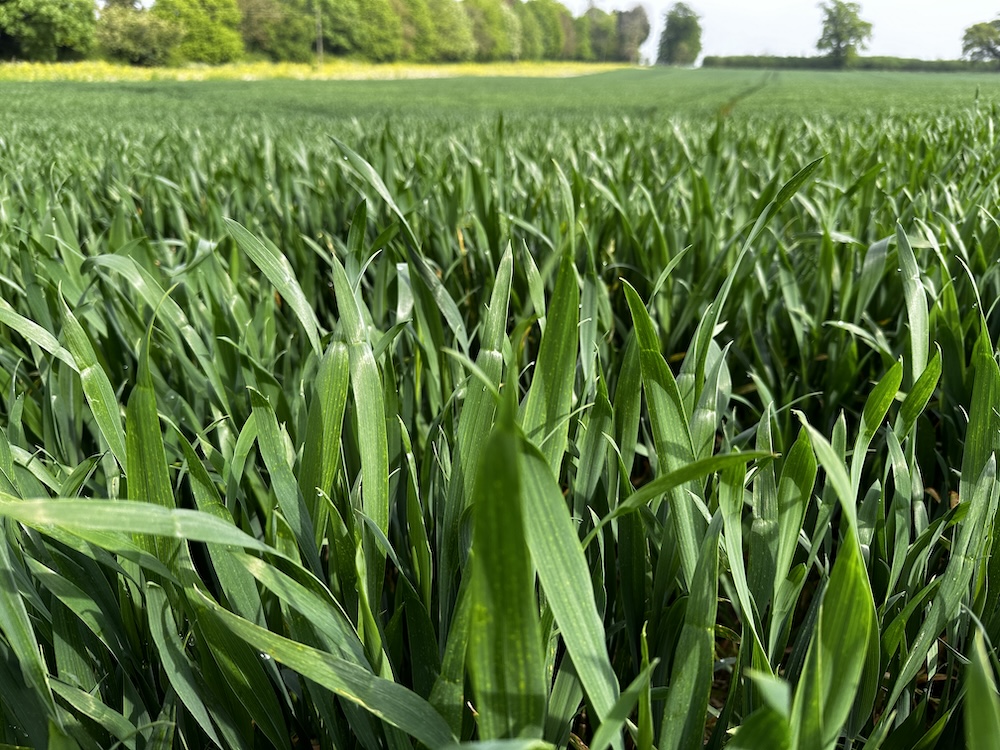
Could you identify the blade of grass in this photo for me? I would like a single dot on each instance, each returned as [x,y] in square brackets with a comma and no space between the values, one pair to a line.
[96,386]
[916,304]
[693,471]
[149,479]
[982,704]
[686,707]
[141,518]
[474,420]
[562,569]
[876,407]
[837,653]
[671,431]
[16,626]
[163,628]
[550,396]
[276,269]
[504,658]
[283,483]
[383,698]
[366,382]
[620,712]
[321,451]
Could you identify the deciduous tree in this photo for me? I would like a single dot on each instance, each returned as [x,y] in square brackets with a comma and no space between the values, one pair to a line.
[381,31]
[210,29]
[453,31]
[568,24]
[549,14]
[633,30]
[46,29]
[532,42]
[844,33]
[277,29]
[581,29]
[366,28]
[680,43]
[603,34]
[133,35]
[982,41]
[494,29]
[419,35]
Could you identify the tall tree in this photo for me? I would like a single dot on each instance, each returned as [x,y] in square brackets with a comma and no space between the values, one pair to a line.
[455,40]
[680,43]
[844,33]
[603,34]
[380,35]
[512,31]
[279,30]
[366,28]
[339,22]
[419,35]
[532,42]
[549,15]
[981,42]
[568,25]
[211,29]
[581,30]
[492,29]
[134,35]
[46,29]
[633,30]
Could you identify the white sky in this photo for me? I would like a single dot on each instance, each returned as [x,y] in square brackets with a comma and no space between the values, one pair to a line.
[929,29]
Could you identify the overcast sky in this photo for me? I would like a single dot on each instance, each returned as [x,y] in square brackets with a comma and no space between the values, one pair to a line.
[929,29]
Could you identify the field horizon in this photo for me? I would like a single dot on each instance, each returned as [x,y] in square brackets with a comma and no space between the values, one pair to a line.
[644,92]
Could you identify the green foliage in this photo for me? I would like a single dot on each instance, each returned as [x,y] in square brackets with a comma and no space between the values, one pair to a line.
[603,34]
[495,28]
[366,28]
[549,14]
[210,29]
[379,33]
[982,714]
[135,36]
[680,42]
[455,39]
[981,42]
[277,29]
[569,46]
[458,430]
[912,65]
[632,27]
[844,32]
[46,30]
[420,40]
[584,45]
[512,32]
[532,34]
[219,31]
[343,27]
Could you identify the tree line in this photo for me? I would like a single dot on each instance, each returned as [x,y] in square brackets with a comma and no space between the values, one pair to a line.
[843,33]
[220,31]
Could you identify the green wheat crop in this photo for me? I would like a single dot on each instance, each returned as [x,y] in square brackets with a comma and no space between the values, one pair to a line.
[624,429]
